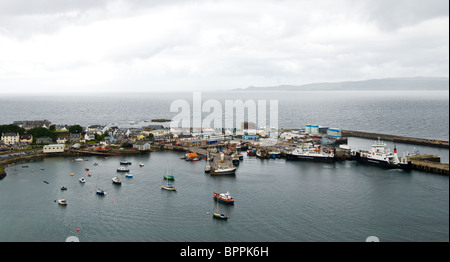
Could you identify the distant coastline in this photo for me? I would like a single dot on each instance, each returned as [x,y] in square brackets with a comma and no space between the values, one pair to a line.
[403,83]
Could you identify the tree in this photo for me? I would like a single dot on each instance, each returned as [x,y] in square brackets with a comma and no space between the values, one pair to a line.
[42,132]
[75,129]
[11,129]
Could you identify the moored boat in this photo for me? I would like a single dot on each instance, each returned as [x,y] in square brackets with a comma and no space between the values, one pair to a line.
[219,215]
[223,198]
[129,175]
[82,180]
[116,180]
[222,171]
[311,154]
[380,155]
[101,192]
[168,177]
[169,187]
[62,202]
[207,168]
[125,162]
[123,169]
[235,160]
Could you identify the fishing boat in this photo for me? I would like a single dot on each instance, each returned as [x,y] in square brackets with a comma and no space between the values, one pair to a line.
[169,187]
[274,154]
[125,162]
[251,152]
[82,180]
[380,155]
[241,156]
[207,168]
[123,169]
[223,198]
[235,160]
[101,192]
[62,202]
[116,181]
[223,171]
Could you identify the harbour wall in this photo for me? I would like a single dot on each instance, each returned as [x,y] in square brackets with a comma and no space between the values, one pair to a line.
[395,138]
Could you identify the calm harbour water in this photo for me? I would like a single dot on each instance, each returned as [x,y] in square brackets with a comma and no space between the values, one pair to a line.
[275,200]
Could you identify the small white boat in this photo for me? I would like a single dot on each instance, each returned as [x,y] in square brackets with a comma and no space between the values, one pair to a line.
[79,160]
[169,187]
[141,164]
[62,202]
[82,180]
[116,180]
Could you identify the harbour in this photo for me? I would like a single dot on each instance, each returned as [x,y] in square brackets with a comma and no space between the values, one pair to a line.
[289,199]
[275,199]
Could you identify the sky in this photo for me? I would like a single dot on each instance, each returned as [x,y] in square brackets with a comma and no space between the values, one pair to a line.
[205,45]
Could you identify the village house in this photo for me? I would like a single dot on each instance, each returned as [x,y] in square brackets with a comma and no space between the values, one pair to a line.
[10,138]
[89,136]
[95,129]
[26,138]
[44,140]
[62,137]
[32,124]
[142,145]
[74,137]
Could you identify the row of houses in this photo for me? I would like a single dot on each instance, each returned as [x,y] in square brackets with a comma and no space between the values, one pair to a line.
[111,134]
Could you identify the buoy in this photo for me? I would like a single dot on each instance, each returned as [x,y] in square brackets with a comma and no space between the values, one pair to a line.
[91,191]
[78,229]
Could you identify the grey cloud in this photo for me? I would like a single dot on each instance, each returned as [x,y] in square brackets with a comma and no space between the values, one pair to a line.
[392,15]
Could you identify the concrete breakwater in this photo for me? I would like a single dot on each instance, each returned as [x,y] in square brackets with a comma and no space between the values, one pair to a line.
[395,138]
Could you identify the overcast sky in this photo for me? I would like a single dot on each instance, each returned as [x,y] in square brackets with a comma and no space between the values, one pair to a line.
[163,45]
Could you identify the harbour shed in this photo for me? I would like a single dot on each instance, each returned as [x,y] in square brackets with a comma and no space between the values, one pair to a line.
[334,132]
[54,148]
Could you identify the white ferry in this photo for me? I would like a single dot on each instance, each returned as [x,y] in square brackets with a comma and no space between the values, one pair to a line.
[380,155]
[309,153]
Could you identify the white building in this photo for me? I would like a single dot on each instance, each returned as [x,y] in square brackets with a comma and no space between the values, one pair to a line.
[10,138]
[54,148]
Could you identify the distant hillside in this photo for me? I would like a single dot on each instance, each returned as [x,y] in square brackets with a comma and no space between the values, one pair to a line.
[414,83]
